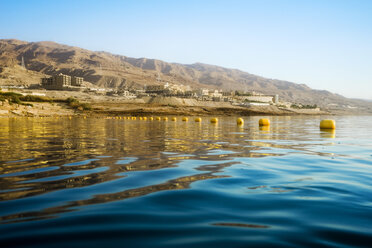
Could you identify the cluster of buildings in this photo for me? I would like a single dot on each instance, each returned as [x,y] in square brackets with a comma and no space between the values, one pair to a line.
[207,94]
[168,89]
[63,82]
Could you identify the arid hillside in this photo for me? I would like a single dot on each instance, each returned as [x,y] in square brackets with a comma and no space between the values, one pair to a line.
[115,71]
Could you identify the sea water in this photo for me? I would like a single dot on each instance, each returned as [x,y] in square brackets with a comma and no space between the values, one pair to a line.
[99,182]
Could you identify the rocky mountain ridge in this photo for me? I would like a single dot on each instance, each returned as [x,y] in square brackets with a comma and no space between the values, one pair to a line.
[116,71]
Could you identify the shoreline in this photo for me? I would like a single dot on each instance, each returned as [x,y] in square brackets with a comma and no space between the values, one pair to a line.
[105,108]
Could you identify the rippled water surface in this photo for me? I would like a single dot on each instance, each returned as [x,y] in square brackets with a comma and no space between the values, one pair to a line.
[133,183]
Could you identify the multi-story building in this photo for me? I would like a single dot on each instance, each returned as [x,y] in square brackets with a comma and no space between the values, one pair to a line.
[62,82]
[76,81]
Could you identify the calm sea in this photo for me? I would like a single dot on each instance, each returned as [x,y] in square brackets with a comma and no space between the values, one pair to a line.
[133,183]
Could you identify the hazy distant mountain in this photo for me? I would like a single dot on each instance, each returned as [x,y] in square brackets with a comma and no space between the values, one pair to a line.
[116,71]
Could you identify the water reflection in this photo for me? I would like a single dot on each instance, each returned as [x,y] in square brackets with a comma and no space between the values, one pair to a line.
[328,133]
[42,156]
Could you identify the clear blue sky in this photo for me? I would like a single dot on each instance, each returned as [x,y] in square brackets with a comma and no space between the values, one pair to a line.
[326,44]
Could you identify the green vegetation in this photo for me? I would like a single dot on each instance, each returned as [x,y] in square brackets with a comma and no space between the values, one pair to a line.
[246,100]
[240,93]
[31,98]
[75,104]
[300,106]
[13,98]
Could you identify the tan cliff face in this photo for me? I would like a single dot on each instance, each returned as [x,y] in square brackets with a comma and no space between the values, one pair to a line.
[115,71]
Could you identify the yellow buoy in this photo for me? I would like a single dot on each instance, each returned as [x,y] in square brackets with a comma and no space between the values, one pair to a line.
[264,122]
[214,120]
[133,118]
[158,118]
[240,121]
[151,118]
[174,118]
[185,119]
[165,119]
[70,117]
[145,118]
[140,118]
[198,119]
[327,124]
[84,117]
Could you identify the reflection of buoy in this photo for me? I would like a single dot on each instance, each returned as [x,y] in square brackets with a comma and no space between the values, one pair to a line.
[198,119]
[327,124]
[185,119]
[328,133]
[151,118]
[214,120]
[165,119]
[264,122]
[240,121]
[265,128]
[174,119]
[158,118]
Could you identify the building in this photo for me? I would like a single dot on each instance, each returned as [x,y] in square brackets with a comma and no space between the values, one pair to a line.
[62,82]
[77,81]
[257,98]
[157,89]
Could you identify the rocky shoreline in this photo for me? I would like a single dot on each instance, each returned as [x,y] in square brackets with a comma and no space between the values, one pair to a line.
[106,108]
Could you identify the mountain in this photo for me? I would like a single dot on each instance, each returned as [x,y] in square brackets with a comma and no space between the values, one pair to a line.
[116,71]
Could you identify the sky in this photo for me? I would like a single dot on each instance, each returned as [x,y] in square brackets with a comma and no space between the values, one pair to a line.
[326,44]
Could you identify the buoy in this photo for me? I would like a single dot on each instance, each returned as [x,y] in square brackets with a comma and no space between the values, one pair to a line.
[327,124]
[198,119]
[264,122]
[165,119]
[70,117]
[151,118]
[214,120]
[84,117]
[158,118]
[185,119]
[240,121]
[140,118]
[174,118]
[144,118]
[133,118]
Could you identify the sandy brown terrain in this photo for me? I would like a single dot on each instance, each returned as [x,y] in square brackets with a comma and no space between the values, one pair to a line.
[116,71]
[118,106]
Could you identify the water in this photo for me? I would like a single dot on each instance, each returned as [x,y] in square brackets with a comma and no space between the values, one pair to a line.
[131,183]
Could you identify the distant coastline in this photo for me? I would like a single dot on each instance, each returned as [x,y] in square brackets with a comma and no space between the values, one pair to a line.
[63,103]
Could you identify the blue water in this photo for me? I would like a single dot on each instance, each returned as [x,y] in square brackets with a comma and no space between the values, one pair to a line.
[99,182]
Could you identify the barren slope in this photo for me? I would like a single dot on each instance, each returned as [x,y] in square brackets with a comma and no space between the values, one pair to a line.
[115,71]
